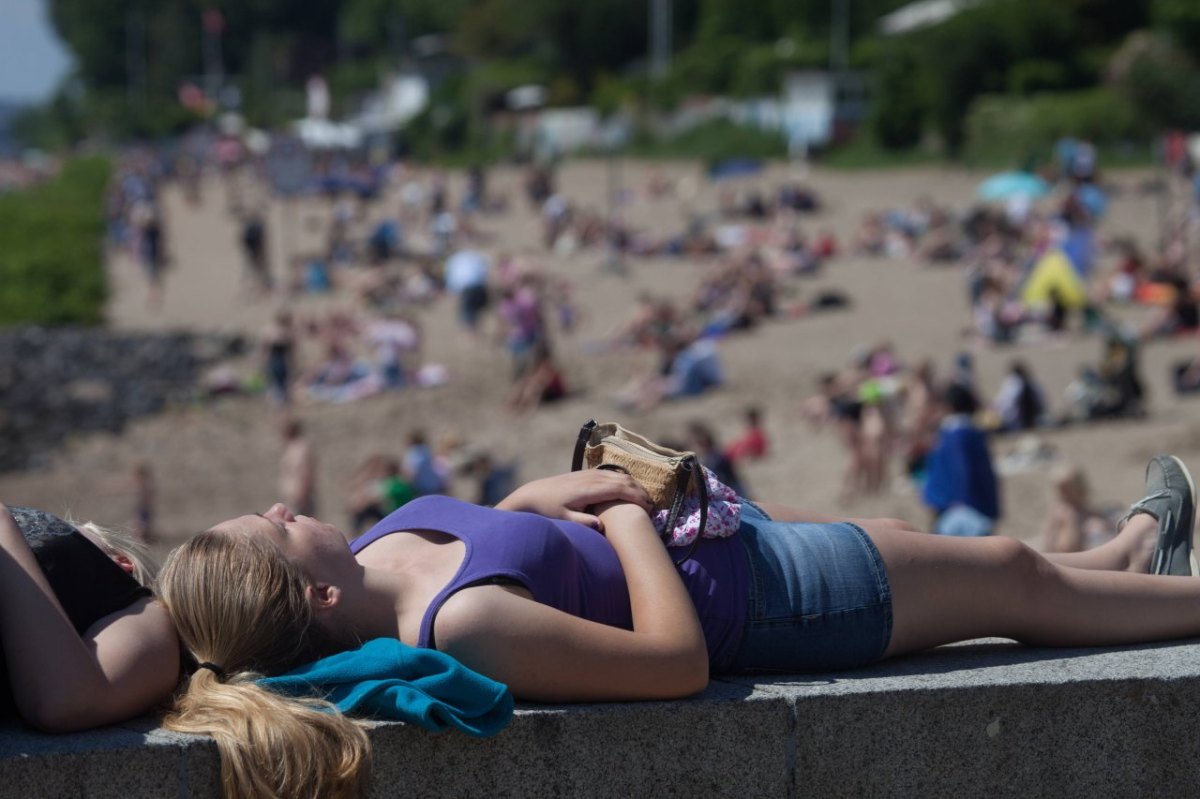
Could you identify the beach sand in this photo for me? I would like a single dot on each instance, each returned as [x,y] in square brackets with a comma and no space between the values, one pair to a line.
[219,459]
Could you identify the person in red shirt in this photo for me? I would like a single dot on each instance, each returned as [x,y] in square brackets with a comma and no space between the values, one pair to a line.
[752,444]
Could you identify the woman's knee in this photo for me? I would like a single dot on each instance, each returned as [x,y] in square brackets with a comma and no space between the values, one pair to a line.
[1024,573]
[1014,557]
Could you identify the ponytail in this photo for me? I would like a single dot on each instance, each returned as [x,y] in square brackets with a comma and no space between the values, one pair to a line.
[273,745]
[241,609]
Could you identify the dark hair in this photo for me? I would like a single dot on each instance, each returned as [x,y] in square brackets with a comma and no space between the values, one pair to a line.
[960,399]
[702,434]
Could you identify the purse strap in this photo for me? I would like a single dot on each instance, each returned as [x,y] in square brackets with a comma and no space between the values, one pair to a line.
[690,470]
[585,435]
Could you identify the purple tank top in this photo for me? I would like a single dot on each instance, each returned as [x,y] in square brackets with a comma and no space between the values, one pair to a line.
[569,567]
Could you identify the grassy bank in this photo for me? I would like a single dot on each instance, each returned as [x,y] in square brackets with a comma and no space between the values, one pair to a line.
[51,248]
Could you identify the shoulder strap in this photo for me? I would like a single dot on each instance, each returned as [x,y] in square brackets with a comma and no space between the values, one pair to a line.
[691,473]
[585,435]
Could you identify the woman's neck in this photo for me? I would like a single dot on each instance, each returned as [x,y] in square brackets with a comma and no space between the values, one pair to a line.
[375,604]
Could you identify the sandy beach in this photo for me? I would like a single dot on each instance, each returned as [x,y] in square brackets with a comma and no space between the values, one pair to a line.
[214,460]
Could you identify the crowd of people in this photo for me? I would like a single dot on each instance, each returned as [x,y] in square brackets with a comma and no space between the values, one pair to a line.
[902,424]
[396,240]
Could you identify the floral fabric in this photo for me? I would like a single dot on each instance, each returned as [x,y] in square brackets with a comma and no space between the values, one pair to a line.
[724,515]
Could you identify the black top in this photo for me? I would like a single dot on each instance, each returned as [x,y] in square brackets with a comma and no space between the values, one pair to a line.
[85,580]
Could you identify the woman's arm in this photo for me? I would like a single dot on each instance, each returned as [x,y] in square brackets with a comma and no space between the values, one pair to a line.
[546,655]
[124,664]
[568,496]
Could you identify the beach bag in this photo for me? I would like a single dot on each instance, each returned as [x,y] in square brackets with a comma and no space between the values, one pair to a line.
[689,502]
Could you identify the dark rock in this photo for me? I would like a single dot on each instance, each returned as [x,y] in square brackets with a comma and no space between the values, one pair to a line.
[55,381]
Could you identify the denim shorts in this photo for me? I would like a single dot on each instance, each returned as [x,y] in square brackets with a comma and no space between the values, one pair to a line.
[819,597]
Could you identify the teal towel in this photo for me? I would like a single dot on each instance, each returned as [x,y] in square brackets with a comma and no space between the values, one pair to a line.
[387,679]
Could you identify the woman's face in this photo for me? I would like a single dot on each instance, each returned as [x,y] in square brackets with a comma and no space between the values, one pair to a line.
[311,544]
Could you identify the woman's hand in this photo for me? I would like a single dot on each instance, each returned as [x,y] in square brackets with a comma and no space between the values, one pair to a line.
[570,496]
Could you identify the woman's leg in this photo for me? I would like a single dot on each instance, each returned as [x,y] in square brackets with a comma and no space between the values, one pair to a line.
[954,589]
[784,513]
[1129,551]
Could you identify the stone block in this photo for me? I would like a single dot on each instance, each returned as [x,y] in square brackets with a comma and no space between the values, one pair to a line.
[987,719]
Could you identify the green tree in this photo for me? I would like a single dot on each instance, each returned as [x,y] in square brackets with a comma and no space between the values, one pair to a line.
[900,106]
[1180,19]
[1159,79]
[988,50]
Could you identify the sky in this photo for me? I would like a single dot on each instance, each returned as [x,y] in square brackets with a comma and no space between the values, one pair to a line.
[32,58]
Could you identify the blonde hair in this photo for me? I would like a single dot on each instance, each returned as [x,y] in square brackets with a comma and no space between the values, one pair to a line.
[240,605]
[116,542]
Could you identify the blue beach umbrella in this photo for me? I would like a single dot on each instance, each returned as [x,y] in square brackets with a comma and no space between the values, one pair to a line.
[1007,185]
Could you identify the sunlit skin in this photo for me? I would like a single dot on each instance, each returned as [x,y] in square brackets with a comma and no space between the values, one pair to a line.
[301,539]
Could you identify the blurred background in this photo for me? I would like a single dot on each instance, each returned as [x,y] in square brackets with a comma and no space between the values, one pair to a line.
[345,253]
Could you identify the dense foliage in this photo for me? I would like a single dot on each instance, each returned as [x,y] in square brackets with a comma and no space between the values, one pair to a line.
[133,55]
[51,240]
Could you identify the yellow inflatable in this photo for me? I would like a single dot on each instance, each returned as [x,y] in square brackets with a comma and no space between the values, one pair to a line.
[1053,273]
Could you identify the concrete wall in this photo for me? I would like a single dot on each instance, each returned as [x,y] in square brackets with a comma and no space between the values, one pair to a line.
[987,719]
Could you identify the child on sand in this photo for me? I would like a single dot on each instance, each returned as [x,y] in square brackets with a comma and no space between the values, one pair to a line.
[1073,524]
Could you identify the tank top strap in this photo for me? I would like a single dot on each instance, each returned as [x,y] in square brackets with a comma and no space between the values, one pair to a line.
[468,523]
[419,514]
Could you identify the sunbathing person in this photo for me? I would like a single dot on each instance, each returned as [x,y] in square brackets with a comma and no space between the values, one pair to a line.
[85,643]
[566,593]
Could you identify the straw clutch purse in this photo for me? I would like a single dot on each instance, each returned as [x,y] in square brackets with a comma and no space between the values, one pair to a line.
[669,476]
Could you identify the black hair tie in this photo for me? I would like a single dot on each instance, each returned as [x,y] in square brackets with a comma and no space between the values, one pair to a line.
[213,667]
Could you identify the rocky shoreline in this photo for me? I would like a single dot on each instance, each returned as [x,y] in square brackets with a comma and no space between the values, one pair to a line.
[58,381]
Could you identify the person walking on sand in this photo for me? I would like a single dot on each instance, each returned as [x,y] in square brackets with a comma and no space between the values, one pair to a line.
[278,345]
[151,250]
[144,492]
[254,251]
[297,469]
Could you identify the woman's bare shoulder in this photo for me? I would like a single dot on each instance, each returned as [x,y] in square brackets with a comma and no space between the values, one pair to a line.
[478,608]
[142,624]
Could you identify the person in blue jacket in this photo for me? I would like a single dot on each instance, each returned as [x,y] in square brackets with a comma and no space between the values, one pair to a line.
[960,485]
